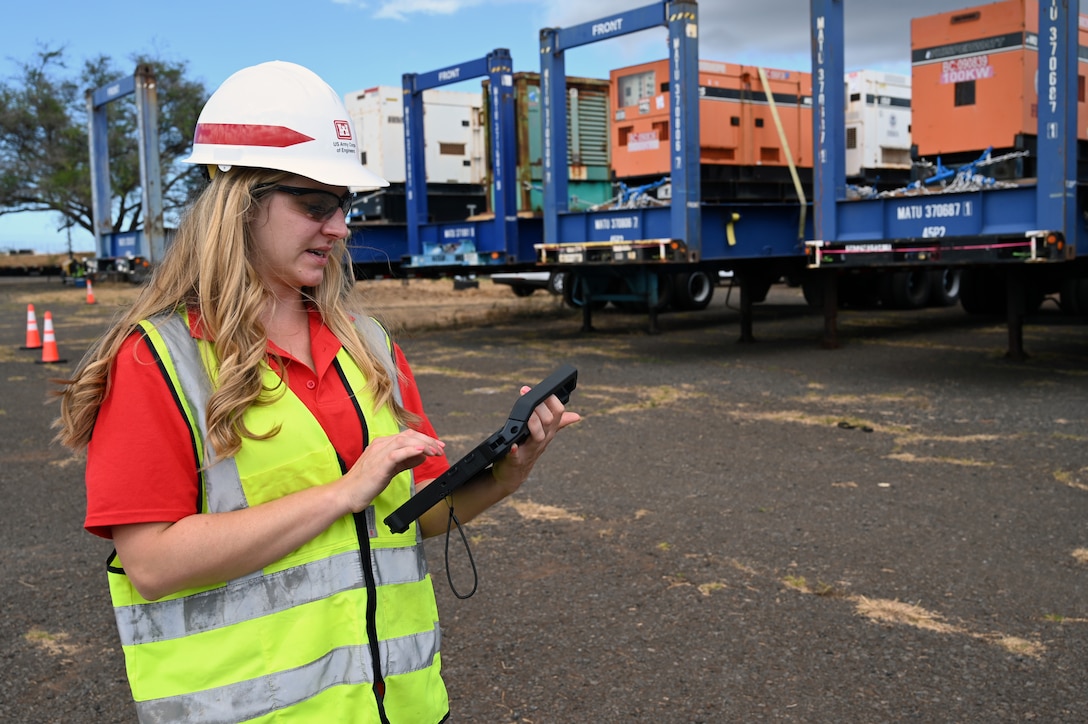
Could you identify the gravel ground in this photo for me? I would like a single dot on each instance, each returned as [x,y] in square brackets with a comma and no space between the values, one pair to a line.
[892,531]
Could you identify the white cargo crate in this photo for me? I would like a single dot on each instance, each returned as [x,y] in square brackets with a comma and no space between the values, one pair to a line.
[877,121]
[453,136]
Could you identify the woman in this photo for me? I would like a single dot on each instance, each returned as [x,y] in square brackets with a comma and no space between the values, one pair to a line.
[246,436]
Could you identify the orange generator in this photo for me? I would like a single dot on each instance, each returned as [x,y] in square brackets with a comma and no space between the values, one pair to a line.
[973,78]
[743,154]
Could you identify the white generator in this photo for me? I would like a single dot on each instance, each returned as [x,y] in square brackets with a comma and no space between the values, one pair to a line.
[454,138]
[877,123]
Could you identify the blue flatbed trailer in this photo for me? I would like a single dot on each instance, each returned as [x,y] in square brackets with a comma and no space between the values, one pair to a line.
[635,244]
[1029,236]
[1029,239]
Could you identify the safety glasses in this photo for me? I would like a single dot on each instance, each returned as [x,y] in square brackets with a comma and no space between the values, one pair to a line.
[317,204]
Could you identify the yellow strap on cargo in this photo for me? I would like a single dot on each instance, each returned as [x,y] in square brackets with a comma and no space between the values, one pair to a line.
[786,147]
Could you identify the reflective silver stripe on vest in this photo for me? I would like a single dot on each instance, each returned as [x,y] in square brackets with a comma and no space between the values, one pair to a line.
[253,596]
[410,653]
[223,484]
[374,336]
[247,700]
[250,699]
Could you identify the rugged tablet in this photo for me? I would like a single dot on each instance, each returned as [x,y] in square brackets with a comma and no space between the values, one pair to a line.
[560,383]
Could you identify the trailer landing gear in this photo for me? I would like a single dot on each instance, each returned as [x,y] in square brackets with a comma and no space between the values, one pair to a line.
[1015,309]
[830,286]
[746,335]
[1017,290]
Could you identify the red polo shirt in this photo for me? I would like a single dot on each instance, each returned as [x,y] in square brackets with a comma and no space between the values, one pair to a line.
[140,462]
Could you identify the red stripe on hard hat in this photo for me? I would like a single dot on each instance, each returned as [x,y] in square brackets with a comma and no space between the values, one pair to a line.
[244,134]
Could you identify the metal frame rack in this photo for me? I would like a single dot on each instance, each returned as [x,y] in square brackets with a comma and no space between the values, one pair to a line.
[618,255]
[151,243]
[615,254]
[1015,228]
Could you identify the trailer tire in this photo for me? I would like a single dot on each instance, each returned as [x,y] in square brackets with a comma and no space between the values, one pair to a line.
[557,282]
[944,287]
[692,291]
[908,289]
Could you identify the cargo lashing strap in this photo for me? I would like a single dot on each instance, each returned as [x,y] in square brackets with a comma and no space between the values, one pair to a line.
[785,147]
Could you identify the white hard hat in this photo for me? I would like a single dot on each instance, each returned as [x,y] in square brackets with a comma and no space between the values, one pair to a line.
[281,116]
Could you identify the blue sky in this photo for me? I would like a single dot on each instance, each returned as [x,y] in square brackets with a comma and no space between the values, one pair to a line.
[356,44]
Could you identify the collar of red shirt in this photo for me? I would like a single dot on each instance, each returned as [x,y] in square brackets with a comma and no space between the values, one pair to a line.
[324,345]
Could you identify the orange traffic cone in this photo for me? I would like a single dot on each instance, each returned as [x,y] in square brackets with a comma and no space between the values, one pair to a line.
[49,348]
[90,293]
[33,339]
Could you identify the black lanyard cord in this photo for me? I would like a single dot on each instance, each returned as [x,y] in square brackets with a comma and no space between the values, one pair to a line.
[449,576]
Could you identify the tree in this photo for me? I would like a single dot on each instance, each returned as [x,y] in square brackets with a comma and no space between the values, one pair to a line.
[44,153]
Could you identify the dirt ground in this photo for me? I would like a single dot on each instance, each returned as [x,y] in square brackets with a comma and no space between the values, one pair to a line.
[896,530]
[403,304]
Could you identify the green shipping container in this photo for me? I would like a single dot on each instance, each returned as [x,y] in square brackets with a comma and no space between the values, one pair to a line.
[587,142]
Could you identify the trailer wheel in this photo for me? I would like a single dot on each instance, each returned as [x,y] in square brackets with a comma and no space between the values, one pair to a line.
[557,282]
[692,290]
[907,289]
[944,287]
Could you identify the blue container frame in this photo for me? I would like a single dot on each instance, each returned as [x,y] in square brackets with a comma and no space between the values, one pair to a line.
[1030,223]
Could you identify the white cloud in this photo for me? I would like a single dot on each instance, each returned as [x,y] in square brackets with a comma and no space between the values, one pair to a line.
[773,32]
[401,9]
[741,31]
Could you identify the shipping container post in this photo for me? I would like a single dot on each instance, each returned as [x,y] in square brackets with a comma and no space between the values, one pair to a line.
[494,241]
[1009,241]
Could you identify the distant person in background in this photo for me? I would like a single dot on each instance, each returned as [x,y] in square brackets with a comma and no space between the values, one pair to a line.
[247,434]
[73,267]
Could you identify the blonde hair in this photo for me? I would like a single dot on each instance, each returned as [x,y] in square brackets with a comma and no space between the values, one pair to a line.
[208,268]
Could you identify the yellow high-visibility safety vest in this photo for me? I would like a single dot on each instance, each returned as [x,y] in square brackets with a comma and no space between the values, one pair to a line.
[310,637]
